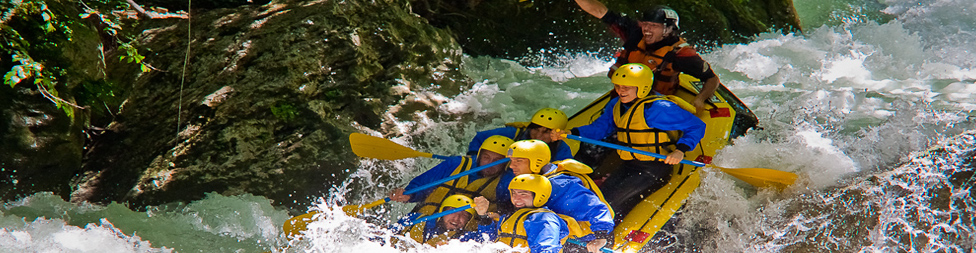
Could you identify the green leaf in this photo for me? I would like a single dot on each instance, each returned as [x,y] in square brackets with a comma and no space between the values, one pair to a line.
[145,69]
[11,78]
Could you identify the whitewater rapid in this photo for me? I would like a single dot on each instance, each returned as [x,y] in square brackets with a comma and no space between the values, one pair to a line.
[853,106]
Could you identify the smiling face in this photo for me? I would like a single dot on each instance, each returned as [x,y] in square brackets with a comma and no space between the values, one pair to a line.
[627,93]
[454,221]
[653,31]
[522,198]
[486,157]
[520,165]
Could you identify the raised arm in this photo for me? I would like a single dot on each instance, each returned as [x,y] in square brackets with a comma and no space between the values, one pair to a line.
[593,7]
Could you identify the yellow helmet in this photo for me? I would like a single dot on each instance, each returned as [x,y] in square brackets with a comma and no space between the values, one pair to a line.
[535,183]
[637,75]
[535,150]
[496,143]
[456,201]
[551,118]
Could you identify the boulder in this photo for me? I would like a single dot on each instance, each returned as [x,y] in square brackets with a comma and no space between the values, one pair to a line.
[266,102]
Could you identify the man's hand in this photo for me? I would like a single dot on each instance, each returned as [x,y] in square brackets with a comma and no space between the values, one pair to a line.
[675,157]
[699,104]
[595,245]
[397,195]
[558,134]
[481,205]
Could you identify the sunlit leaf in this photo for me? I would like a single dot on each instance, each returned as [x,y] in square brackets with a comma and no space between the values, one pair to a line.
[144,68]
[11,78]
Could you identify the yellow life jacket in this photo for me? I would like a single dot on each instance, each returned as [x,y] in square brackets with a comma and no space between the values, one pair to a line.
[633,131]
[433,201]
[512,230]
[579,170]
[416,232]
[665,77]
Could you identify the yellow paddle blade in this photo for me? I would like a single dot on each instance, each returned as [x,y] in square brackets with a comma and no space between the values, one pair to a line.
[761,177]
[380,148]
[294,226]
[355,210]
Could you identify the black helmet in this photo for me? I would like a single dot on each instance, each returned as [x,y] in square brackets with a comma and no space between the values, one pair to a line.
[662,14]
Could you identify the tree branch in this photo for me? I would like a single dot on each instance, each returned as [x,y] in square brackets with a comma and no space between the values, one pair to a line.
[153,14]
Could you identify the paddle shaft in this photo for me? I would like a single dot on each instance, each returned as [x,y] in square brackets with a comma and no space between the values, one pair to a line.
[459,175]
[440,214]
[629,149]
[431,184]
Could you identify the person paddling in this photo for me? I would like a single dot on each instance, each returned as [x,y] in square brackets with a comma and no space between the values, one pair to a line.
[439,231]
[482,183]
[531,225]
[569,195]
[543,122]
[654,41]
[643,121]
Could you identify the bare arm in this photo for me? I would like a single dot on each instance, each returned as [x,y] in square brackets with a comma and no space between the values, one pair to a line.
[707,91]
[593,7]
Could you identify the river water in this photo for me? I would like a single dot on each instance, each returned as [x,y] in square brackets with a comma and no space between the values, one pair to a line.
[864,107]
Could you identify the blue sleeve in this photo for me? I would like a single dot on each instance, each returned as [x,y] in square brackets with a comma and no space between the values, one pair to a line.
[563,152]
[669,116]
[502,198]
[441,171]
[545,232]
[603,126]
[485,233]
[483,135]
[570,197]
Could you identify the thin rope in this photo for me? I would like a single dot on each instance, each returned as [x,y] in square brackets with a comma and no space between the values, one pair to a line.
[186,60]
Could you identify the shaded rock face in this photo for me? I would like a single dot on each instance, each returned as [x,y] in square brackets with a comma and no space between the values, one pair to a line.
[41,148]
[41,145]
[514,29]
[270,95]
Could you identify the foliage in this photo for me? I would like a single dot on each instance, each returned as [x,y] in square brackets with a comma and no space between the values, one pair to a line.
[35,35]
[285,112]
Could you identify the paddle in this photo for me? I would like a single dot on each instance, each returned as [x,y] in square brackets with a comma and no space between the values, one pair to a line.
[438,215]
[353,210]
[758,177]
[297,224]
[376,147]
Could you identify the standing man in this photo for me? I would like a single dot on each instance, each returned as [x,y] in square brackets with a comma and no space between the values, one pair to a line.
[653,41]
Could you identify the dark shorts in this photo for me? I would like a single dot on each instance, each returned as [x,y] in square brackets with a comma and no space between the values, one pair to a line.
[632,182]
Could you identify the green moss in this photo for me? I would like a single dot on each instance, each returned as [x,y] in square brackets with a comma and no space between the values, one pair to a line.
[285,112]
